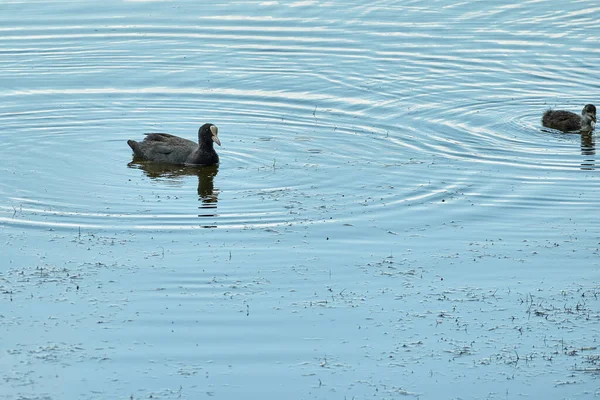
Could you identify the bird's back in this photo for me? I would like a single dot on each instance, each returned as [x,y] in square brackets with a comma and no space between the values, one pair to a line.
[562,120]
[163,148]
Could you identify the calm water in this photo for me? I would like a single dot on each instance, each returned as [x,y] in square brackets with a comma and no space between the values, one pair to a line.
[389,220]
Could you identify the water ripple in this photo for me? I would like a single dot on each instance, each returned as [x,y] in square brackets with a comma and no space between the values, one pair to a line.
[319,126]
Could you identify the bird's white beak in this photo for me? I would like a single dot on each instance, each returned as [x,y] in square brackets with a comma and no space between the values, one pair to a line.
[215,133]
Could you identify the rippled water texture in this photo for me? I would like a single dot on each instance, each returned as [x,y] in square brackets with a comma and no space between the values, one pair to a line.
[389,218]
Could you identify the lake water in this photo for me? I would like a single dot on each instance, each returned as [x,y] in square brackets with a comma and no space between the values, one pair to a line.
[388,220]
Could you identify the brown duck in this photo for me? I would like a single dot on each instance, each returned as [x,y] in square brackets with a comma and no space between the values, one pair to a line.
[567,121]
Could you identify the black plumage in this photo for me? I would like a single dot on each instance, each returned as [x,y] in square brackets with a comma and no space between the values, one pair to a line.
[170,149]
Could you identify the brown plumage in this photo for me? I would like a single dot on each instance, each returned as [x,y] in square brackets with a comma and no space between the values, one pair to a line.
[567,121]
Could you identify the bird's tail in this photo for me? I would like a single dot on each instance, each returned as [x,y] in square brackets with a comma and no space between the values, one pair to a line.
[133,144]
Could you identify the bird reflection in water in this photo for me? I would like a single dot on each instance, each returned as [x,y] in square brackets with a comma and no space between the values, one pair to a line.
[588,150]
[206,189]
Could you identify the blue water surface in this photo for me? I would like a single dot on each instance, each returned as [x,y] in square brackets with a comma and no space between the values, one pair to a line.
[388,220]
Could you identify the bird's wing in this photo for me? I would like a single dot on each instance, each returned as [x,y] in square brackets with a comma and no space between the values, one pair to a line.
[168,139]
